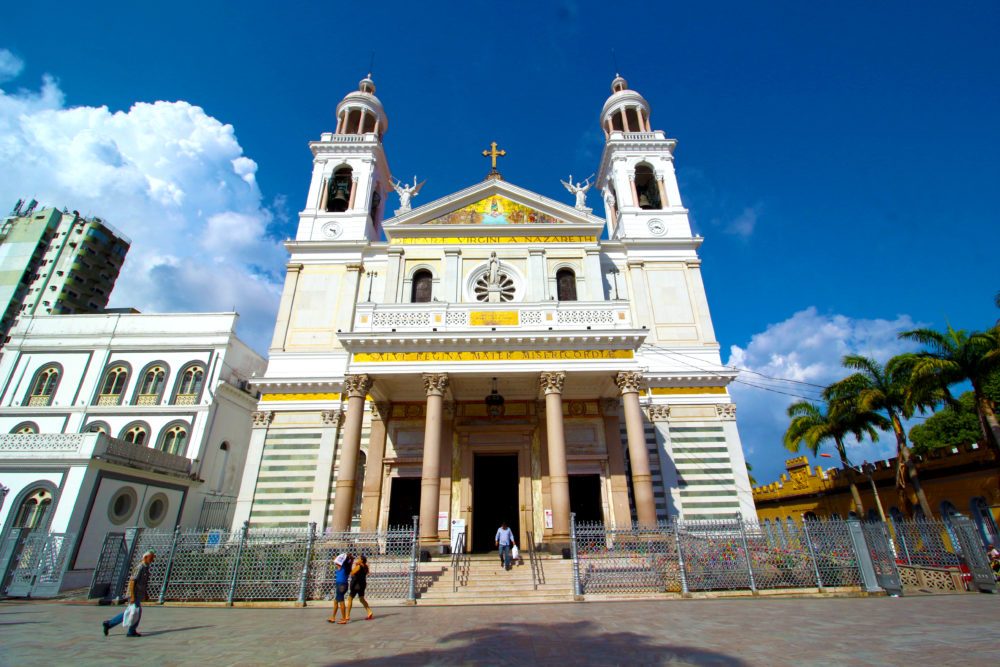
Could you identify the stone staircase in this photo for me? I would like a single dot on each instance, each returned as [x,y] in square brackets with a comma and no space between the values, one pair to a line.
[486,582]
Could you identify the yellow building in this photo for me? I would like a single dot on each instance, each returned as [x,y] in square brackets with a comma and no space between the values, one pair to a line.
[957,480]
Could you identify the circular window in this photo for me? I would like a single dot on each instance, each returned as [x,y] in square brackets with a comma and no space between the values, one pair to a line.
[122,505]
[156,510]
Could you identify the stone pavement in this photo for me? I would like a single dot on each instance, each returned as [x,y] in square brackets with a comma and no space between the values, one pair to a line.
[929,630]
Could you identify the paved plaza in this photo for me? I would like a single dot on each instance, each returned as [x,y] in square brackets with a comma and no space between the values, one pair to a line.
[927,630]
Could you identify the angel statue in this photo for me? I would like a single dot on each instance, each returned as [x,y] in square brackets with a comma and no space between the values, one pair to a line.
[406,192]
[578,189]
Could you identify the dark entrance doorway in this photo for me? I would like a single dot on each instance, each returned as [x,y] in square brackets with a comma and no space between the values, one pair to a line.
[494,499]
[585,498]
[404,501]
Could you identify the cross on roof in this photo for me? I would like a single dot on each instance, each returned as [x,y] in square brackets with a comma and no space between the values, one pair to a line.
[493,154]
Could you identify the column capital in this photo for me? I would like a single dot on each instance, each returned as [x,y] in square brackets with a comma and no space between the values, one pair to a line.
[551,382]
[332,417]
[435,384]
[357,385]
[262,418]
[726,411]
[355,267]
[629,382]
[609,406]
[659,413]
[381,410]
[293,267]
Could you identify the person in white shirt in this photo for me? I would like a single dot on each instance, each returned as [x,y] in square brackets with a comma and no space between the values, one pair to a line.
[504,540]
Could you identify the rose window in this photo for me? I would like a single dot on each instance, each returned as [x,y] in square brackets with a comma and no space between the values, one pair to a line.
[504,282]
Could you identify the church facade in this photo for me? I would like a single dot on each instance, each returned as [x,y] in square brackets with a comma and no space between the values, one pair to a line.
[493,355]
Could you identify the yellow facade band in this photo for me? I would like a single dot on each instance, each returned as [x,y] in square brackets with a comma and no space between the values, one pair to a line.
[673,391]
[301,397]
[491,240]
[491,355]
[486,318]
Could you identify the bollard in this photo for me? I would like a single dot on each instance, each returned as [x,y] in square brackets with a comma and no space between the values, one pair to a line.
[413,560]
[746,553]
[170,564]
[236,565]
[680,559]
[812,554]
[305,566]
[577,592]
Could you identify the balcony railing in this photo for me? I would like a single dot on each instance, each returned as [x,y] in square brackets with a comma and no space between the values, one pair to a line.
[109,399]
[140,456]
[185,399]
[444,317]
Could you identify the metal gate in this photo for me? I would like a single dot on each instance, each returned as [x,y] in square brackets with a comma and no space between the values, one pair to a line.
[883,556]
[114,556]
[37,563]
[975,556]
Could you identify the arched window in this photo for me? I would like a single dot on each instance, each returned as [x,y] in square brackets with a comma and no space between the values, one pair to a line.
[174,440]
[338,195]
[189,388]
[137,433]
[34,509]
[223,464]
[113,386]
[647,188]
[43,389]
[980,511]
[98,427]
[423,283]
[151,385]
[566,285]
[25,428]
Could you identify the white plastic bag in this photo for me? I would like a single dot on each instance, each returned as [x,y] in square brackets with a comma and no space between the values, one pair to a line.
[515,553]
[131,615]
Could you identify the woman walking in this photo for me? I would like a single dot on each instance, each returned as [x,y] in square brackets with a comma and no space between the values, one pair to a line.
[359,581]
[340,583]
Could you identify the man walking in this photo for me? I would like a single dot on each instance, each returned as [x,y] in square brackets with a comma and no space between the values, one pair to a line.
[504,540]
[137,586]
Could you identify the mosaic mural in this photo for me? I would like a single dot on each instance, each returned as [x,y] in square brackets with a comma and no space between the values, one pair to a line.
[494,210]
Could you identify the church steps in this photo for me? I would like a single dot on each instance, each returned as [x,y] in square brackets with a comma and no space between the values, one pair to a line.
[486,582]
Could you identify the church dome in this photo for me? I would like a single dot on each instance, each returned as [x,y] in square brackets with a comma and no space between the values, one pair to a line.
[625,111]
[360,112]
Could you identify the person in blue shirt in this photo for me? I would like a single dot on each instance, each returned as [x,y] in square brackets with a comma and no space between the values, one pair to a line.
[504,540]
[340,582]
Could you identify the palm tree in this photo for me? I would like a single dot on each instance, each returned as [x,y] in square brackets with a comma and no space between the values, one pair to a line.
[888,389]
[812,426]
[956,356]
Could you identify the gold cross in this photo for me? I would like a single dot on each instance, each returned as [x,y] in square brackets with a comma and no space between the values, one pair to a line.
[493,153]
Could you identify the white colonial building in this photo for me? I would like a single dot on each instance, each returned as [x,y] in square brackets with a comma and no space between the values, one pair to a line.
[121,420]
[495,354]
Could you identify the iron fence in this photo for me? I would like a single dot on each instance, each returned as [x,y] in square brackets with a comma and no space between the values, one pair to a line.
[215,514]
[245,564]
[733,555]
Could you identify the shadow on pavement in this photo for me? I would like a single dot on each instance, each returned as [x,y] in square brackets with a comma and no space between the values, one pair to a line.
[4,623]
[153,633]
[569,643]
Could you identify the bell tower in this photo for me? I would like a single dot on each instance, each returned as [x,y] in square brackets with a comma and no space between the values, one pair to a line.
[636,176]
[351,178]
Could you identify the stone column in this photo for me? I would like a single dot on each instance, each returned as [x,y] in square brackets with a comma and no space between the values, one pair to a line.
[642,481]
[635,193]
[354,192]
[664,202]
[361,121]
[324,194]
[430,477]
[357,387]
[371,496]
[284,319]
[552,385]
[625,125]
[616,464]
[248,486]
[333,421]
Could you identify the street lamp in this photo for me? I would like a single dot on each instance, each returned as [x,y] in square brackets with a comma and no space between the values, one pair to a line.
[494,402]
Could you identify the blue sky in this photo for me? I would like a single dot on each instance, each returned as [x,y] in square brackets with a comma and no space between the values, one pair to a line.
[840,159]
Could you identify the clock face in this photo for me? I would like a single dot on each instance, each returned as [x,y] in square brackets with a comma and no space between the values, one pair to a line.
[657,227]
[332,230]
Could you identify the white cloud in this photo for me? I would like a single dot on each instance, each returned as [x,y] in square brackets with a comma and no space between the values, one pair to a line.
[744,224]
[172,178]
[10,66]
[806,347]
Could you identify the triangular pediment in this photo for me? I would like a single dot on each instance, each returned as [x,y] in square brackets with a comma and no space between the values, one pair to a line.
[493,207]
[495,210]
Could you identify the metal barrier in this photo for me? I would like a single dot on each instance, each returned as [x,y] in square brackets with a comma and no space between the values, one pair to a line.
[725,555]
[457,556]
[274,564]
[537,574]
[35,562]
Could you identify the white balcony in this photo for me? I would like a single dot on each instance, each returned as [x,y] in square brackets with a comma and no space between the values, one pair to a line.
[485,317]
[91,446]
